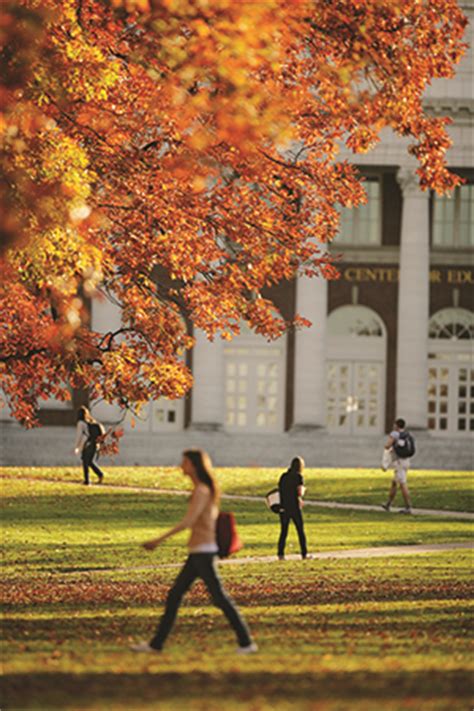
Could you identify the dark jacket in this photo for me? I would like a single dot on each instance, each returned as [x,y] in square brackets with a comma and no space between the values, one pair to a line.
[288,486]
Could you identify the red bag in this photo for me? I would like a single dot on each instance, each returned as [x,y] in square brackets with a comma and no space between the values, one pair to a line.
[227,538]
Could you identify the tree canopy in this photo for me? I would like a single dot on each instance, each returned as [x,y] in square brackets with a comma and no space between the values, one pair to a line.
[178,157]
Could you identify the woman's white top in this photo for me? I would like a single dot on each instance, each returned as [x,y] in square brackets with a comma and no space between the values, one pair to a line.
[204,548]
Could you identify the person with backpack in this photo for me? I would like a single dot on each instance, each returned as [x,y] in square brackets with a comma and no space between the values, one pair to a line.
[401,445]
[201,518]
[88,432]
[291,488]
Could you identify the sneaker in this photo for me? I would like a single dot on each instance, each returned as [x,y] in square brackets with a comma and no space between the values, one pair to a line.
[143,647]
[249,649]
[386,507]
[281,557]
[406,510]
[308,556]
[101,479]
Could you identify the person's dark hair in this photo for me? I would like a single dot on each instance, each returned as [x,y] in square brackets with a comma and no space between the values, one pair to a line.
[202,464]
[400,423]
[84,415]
[297,465]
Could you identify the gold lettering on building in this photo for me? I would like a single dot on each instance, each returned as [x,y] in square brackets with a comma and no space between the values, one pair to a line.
[460,276]
[435,276]
[391,275]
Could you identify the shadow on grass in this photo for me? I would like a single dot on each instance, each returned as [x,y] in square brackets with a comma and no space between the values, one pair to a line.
[58,690]
[454,622]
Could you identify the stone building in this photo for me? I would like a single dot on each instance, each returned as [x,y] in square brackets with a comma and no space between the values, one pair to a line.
[392,337]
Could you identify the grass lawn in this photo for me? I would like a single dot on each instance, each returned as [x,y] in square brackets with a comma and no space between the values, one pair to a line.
[448,490]
[363,634]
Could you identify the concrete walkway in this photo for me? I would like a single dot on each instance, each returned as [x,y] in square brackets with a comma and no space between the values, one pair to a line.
[375,552]
[463,515]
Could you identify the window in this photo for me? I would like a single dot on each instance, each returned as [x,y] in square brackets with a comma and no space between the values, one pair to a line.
[362,225]
[254,384]
[452,324]
[453,218]
[355,320]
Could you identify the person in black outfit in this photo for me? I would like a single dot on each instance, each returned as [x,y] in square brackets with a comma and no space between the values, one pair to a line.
[291,486]
[86,445]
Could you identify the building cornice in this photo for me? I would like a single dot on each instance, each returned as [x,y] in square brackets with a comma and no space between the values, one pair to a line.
[391,255]
[461,110]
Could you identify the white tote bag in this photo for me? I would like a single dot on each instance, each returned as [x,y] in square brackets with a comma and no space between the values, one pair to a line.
[387,459]
[273,500]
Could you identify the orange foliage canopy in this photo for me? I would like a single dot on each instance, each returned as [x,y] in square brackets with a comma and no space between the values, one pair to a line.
[180,156]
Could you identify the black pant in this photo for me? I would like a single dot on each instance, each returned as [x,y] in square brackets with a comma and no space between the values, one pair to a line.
[199,565]
[286,516]
[88,454]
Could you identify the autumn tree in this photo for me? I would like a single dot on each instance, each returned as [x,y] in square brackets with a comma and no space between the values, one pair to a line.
[178,157]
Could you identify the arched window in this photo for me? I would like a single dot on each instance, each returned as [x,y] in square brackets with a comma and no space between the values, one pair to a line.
[453,324]
[355,321]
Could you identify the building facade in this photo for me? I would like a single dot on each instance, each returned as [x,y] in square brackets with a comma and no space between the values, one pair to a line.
[391,337]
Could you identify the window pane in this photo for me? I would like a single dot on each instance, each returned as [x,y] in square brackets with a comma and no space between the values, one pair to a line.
[466,216]
[453,218]
[362,225]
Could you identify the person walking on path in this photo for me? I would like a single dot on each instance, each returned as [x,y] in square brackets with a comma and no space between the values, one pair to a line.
[400,463]
[88,432]
[201,518]
[291,487]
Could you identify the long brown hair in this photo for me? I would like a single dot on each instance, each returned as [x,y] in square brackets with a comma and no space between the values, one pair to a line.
[202,464]
[84,415]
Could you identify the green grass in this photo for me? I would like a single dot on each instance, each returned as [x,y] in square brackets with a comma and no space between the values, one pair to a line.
[361,634]
[66,528]
[365,635]
[447,490]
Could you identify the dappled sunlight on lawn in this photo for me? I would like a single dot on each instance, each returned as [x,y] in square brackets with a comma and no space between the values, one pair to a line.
[389,633]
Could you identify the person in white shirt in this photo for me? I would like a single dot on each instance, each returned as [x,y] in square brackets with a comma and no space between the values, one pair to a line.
[400,465]
[201,518]
[86,445]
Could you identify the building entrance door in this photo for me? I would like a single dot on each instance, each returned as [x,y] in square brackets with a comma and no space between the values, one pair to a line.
[451,398]
[451,372]
[355,397]
[356,371]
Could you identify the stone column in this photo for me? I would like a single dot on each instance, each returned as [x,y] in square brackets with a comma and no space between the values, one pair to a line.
[413,303]
[310,355]
[106,317]
[207,411]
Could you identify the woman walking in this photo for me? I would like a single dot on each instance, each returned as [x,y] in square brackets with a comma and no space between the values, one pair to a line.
[201,518]
[291,486]
[88,431]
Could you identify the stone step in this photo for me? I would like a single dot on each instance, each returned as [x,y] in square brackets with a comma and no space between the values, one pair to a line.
[53,446]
